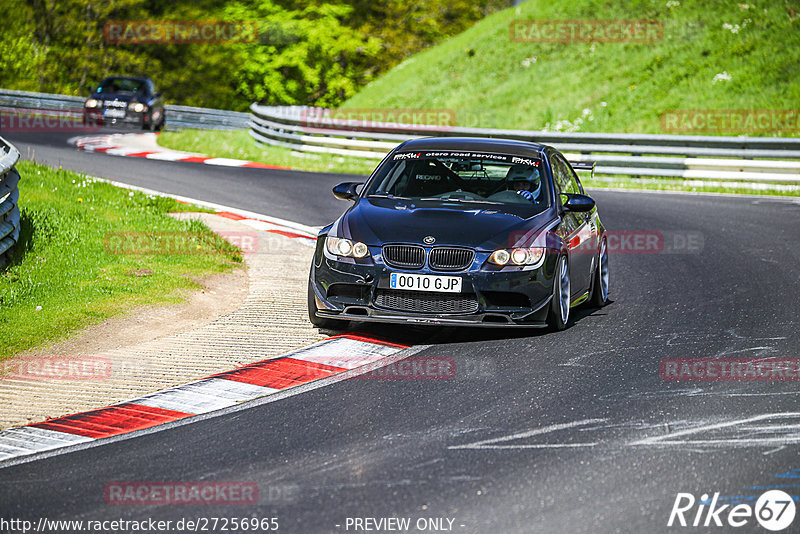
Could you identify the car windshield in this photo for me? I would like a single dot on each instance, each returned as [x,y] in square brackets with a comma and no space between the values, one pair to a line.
[121,85]
[462,177]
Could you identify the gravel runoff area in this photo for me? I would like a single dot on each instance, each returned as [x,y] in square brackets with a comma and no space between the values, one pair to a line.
[237,319]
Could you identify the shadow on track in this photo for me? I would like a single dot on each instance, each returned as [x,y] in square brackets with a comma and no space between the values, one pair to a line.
[436,335]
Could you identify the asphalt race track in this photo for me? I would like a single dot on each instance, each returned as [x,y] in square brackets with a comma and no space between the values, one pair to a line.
[277,193]
[536,432]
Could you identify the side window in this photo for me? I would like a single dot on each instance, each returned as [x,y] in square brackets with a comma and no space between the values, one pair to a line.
[576,180]
[563,176]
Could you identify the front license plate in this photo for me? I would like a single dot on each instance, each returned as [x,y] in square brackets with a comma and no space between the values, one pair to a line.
[425,282]
[114,113]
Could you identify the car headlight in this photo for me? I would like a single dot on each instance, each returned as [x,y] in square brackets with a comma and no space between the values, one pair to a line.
[339,246]
[138,107]
[92,103]
[517,256]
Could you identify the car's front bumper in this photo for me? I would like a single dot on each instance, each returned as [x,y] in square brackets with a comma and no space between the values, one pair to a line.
[131,118]
[349,290]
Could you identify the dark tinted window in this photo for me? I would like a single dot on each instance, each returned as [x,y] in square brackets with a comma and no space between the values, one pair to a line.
[464,177]
[565,179]
[121,85]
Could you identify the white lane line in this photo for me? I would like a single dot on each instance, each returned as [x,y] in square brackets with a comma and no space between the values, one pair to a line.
[97,146]
[168,156]
[492,443]
[258,225]
[127,144]
[344,352]
[226,162]
[669,439]
[123,151]
[274,397]
[28,440]
[724,442]
[713,426]
[301,228]
[203,396]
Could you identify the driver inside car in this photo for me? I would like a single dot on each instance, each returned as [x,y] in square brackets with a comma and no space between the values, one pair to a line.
[525,181]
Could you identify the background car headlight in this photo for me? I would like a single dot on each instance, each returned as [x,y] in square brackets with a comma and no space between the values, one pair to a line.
[92,103]
[339,246]
[138,107]
[517,256]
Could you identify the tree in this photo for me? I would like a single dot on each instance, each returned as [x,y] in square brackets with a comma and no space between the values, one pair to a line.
[305,56]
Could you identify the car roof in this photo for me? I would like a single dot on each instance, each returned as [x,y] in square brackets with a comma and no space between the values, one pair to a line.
[137,78]
[475,144]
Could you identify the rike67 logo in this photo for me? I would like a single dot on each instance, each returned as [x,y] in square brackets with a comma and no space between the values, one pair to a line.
[774,510]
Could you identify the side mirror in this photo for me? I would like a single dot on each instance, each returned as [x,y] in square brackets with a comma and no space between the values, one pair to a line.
[578,203]
[91,89]
[346,190]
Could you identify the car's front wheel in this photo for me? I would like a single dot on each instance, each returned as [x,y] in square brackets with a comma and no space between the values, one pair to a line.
[320,322]
[148,124]
[558,315]
[601,278]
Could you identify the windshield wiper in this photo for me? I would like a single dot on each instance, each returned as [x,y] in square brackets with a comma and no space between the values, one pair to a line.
[378,195]
[467,200]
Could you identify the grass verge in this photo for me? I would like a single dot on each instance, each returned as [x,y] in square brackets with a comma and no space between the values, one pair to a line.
[710,55]
[63,274]
[238,144]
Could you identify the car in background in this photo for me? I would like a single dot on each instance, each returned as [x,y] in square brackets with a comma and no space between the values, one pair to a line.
[462,232]
[125,101]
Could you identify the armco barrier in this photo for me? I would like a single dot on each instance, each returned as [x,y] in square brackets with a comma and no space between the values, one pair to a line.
[177,116]
[9,198]
[768,159]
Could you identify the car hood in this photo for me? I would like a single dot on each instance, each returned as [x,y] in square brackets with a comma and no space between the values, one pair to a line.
[481,226]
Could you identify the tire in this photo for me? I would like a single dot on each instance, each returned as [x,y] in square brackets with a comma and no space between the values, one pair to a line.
[600,278]
[558,315]
[319,322]
[160,125]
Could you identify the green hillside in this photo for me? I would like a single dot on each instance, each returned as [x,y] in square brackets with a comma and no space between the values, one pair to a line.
[713,55]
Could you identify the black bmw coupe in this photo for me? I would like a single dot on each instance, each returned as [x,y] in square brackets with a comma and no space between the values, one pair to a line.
[462,232]
[125,101]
